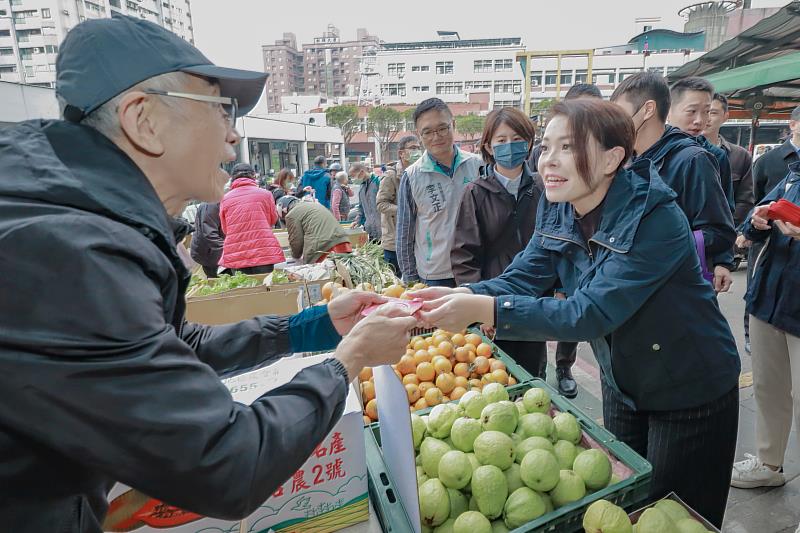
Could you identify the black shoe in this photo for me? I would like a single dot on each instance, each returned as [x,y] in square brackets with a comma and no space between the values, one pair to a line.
[566,383]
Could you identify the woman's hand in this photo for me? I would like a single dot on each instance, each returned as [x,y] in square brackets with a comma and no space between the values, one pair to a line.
[759,219]
[345,310]
[454,312]
[788,229]
[379,339]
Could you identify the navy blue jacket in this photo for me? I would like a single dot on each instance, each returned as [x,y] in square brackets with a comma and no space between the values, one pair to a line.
[693,173]
[652,320]
[774,292]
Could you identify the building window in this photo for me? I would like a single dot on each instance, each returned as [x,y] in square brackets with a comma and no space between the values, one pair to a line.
[51,49]
[421,88]
[8,69]
[603,77]
[550,77]
[397,69]
[566,78]
[42,68]
[506,103]
[20,16]
[16,2]
[580,76]
[420,68]
[536,78]
[444,67]
[449,87]
[478,84]
[6,51]
[482,65]
[508,86]
[393,89]
[45,13]
[656,70]
[627,73]
[29,71]
[503,65]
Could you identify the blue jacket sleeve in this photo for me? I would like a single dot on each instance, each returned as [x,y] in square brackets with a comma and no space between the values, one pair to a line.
[311,330]
[621,285]
[774,195]
[531,273]
[406,222]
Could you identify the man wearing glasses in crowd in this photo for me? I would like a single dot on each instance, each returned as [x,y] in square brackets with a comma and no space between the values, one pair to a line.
[429,198]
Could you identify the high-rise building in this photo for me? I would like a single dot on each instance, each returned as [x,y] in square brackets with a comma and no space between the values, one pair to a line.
[31,30]
[327,66]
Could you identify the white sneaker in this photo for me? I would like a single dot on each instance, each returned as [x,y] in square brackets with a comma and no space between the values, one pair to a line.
[752,473]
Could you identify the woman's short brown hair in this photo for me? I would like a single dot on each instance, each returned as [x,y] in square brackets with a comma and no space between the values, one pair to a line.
[283,175]
[602,121]
[514,119]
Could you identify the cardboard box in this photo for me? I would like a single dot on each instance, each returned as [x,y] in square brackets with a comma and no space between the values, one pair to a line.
[243,304]
[357,237]
[311,290]
[328,493]
[634,516]
[259,278]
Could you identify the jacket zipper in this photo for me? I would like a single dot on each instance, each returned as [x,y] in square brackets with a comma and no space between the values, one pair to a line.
[564,239]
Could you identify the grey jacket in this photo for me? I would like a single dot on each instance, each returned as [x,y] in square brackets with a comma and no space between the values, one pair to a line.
[103,378]
[368,215]
[387,206]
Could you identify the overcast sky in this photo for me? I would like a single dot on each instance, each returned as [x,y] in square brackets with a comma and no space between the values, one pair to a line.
[231,32]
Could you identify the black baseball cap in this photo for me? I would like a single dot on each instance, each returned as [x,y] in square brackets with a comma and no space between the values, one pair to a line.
[242,169]
[101,58]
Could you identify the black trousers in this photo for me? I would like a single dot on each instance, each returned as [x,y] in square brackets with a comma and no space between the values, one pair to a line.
[691,450]
[566,353]
[263,269]
[532,356]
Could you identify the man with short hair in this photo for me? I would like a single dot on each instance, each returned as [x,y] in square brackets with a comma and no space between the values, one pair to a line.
[368,216]
[408,152]
[429,198]
[773,166]
[685,166]
[104,380]
[319,179]
[577,91]
[740,159]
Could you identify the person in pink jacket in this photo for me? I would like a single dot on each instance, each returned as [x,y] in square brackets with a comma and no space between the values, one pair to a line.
[247,214]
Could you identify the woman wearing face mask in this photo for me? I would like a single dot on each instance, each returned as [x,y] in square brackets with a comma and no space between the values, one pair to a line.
[498,214]
[624,252]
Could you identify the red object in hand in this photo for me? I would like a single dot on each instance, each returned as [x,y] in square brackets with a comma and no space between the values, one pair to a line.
[412,305]
[785,211]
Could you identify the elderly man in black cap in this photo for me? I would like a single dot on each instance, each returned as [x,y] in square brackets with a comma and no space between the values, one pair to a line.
[103,379]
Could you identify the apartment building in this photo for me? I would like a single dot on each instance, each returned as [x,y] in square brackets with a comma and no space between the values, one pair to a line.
[31,30]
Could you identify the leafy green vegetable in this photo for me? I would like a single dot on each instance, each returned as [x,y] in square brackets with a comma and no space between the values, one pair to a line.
[226,283]
[367,265]
[280,276]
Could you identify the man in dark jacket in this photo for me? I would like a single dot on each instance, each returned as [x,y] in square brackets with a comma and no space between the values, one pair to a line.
[319,179]
[208,238]
[368,215]
[104,380]
[684,165]
[772,167]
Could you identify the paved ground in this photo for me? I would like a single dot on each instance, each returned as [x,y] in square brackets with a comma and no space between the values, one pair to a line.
[749,511]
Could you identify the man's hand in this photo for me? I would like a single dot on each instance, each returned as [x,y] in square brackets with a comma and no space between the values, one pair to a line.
[759,219]
[354,225]
[434,293]
[455,312]
[379,339]
[788,229]
[722,279]
[345,309]
[742,242]
[489,331]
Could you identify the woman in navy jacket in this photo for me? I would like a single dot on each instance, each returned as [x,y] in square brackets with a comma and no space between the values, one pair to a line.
[624,252]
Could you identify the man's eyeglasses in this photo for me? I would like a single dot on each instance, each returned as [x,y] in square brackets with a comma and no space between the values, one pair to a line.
[229,107]
[441,131]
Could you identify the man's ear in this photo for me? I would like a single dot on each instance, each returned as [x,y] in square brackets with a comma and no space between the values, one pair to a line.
[139,122]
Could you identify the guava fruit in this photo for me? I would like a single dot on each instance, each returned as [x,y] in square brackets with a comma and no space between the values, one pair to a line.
[431,451]
[521,409]
[672,509]
[654,520]
[494,448]
[454,469]
[418,429]
[570,489]
[533,443]
[434,503]
[494,392]
[422,477]
[513,478]
[499,416]
[536,400]
[567,427]
[594,468]
[464,432]
[521,507]
[498,526]
[472,522]
[614,480]
[537,425]
[441,419]
[548,502]
[446,527]
[565,453]
[604,517]
[473,403]
[690,525]
[490,490]
[458,503]
[539,470]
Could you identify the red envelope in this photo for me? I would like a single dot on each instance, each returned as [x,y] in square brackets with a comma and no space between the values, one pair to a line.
[784,210]
[412,305]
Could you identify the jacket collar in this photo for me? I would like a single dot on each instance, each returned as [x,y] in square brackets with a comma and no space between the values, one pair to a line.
[428,164]
[787,149]
[490,182]
[68,164]
[243,182]
[636,190]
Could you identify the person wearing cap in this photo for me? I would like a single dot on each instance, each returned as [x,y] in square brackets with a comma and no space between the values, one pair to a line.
[319,179]
[312,230]
[248,214]
[104,380]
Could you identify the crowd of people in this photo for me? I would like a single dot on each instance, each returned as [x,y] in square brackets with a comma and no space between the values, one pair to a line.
[617,227]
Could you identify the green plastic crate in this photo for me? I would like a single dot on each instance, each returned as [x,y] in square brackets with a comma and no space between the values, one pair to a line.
[385,502]
[628,493]
[514,369]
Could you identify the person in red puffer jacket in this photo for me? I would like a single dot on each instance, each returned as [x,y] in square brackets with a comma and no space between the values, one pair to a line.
[247,214]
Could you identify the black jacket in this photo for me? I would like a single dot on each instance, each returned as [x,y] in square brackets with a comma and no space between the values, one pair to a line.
[208,237]
[103,380]
[693,174]
[492,226]
[771,168]
[742,177]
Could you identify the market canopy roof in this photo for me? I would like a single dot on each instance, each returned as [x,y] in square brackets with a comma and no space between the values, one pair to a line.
[778,77]
[775,36]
